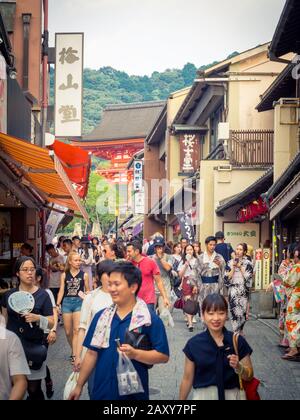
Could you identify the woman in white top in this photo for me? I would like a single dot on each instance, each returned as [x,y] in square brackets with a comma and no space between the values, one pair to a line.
[87,258]
[94,302]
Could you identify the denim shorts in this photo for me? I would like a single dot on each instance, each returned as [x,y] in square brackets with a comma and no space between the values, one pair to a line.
[71,304]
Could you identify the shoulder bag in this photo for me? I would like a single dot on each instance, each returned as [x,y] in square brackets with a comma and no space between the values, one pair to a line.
[248,389]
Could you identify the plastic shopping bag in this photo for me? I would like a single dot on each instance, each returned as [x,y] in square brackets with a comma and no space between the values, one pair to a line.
[129,381]
[166,317]
[173,297]
[71,384]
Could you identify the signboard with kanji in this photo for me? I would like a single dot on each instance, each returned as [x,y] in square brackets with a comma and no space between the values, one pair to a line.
[266,267]
[68,84]
[189,153]
[186,226]
[236,233]
[138,175]
[258,268]
[139,203]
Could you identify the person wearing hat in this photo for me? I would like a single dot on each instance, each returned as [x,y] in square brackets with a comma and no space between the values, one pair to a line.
[165,263]
[87,258]
[150,250]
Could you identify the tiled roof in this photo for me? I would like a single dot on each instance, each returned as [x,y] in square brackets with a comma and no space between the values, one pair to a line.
[126,121]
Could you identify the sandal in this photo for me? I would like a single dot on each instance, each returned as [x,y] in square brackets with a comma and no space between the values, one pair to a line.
[294,358]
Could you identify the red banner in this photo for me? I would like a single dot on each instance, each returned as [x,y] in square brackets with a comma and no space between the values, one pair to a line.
[251,211]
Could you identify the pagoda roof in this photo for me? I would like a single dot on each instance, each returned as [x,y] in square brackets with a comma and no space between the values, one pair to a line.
[126,121]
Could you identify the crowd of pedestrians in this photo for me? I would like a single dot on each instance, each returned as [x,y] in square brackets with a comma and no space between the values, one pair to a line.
[115,298]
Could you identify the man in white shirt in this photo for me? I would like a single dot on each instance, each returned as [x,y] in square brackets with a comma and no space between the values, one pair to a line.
[56,267]
[13,365]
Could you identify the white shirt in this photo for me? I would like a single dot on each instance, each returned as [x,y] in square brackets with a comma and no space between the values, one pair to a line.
[89,260]
[12,362]
[93,303]
[55,276]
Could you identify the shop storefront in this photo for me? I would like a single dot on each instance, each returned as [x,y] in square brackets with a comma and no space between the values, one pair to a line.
[284,201]
[245,217]
[32,181]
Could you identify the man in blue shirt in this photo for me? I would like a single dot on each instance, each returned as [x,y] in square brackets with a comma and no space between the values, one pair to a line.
[124,284]
[223,248]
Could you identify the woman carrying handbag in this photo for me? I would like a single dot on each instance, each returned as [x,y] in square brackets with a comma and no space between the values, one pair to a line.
[212,367]
[188,281]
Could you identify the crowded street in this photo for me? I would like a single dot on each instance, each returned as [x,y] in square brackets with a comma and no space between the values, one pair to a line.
[149,202]
[281,381]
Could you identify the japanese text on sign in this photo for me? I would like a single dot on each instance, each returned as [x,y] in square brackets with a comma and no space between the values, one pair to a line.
[68,85]
[189,153]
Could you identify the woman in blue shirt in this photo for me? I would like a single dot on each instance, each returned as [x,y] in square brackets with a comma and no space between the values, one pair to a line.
[211,365]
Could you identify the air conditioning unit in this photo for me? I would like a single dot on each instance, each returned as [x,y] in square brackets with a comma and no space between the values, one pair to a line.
[223,131]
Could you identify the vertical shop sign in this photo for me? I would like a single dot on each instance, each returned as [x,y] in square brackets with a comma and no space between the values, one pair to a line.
[53,222]
[186,226]
[189,153]
[138,175]
[266,267]
[258,269]
[68,84]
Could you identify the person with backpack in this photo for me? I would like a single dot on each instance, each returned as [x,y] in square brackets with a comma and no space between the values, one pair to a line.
[223,248]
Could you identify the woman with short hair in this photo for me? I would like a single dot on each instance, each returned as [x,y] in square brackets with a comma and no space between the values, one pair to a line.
[212,367]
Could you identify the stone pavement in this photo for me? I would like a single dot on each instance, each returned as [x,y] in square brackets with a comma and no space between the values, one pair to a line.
[281,378]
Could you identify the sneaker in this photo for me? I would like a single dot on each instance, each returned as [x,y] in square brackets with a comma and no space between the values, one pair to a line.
[194,320]
[191,329]
[49,389]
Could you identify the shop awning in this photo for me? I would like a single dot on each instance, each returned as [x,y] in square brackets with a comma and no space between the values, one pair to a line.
[42,170]
[182,200]
[138,228]
[251,193]
[288,197]
[287,176]
[286,37]
[76,163]
[284,86]
[134,221]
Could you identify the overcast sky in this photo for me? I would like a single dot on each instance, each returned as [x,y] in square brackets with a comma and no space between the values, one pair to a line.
[142,36]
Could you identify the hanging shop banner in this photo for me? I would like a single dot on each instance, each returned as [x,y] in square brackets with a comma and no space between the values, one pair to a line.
[3,95]
[236,233]
[139,203]
[186,226]
[138,175]
[258,268]
[189,153]
[53,222]
[251,211]
[266,267]
[68,84]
